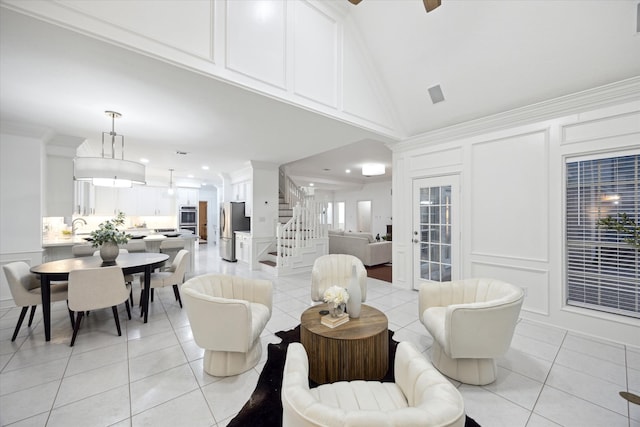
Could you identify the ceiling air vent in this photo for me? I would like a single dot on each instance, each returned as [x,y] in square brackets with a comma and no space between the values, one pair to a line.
[436,94]
[182,153]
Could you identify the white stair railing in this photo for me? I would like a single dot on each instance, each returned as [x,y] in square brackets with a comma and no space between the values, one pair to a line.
[290,191]
[309,222]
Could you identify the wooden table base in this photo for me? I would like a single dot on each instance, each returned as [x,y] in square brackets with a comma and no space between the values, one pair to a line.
[357,350]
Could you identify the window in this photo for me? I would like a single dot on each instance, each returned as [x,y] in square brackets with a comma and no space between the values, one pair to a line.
[330,213]
[435,233]
[602,270]
[341,215]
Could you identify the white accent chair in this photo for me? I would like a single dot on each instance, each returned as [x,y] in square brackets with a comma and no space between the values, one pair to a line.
[336,269]
[26,292]
[227,316]
[420,396]
[472,322]
[94,288]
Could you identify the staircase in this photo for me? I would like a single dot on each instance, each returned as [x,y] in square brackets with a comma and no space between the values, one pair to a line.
[301,234]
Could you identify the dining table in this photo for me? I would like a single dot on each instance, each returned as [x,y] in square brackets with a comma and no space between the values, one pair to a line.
[139,262]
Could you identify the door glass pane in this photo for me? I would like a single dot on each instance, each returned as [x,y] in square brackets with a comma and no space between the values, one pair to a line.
[435,233]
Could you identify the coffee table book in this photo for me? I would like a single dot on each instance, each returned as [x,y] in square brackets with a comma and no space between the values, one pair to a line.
[332,322]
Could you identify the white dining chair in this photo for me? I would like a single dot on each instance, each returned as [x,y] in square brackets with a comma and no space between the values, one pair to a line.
[128,278]
[94,288]
[25,290]
[173,276]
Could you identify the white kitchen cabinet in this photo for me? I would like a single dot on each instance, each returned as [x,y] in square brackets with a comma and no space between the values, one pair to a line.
[106,200]
[243,247]
[188,196]
[155,201]
[127,201]
[84,198]
[239,191]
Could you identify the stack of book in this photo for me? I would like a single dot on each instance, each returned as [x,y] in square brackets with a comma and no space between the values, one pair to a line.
[332,322]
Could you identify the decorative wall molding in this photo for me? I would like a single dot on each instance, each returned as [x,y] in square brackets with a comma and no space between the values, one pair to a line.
[614,93]
[535,281]
[591,130]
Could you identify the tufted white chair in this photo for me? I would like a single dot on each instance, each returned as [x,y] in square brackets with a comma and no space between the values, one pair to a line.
[336,269]
[227,316]
[472,322]
[420,396]
[25,290]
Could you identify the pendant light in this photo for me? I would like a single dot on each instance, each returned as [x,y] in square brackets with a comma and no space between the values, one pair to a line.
[109,171]
[170,190]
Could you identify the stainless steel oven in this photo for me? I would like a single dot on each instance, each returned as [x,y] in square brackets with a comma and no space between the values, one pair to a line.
[188,216]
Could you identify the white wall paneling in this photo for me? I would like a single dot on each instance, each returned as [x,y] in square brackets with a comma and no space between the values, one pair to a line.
[535,282]
[623,124]
[513,202]
[283,49]
[426,163]
[362,95]
[256,39]
[509,197]
[315,54]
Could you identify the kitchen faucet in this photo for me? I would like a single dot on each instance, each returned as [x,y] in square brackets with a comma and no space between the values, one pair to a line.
[73,224]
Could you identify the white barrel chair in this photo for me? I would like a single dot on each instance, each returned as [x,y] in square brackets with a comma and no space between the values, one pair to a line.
[472,322]
[419,396]
[336,269]
[227,316]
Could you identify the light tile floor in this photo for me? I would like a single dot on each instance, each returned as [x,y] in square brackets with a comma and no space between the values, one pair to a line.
[153,375]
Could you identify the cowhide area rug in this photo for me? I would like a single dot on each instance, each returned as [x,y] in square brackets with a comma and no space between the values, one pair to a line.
[264,407]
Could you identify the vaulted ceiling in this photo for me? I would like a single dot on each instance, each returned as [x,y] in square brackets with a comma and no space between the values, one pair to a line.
[487,57]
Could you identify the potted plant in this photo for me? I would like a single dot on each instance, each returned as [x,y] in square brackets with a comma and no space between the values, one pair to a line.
[108,237]
[624,225]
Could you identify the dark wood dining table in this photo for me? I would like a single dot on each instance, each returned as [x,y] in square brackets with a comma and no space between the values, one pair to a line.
[140,262]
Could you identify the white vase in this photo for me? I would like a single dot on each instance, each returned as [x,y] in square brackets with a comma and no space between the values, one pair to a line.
[355,295]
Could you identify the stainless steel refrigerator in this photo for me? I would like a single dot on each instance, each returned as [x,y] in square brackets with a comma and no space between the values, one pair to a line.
[232,219]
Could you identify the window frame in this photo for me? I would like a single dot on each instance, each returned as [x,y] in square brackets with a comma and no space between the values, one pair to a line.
[567,302]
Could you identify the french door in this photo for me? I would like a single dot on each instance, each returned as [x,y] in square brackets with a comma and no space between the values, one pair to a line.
[436,225]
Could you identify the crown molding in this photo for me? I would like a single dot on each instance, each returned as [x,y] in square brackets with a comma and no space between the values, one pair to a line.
[602,96]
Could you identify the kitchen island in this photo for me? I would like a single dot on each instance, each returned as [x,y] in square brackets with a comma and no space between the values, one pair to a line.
[59,246]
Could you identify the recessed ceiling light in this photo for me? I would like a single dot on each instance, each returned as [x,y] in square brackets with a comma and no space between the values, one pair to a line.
[311,184]
[348,171]
[204,184]
[372,169]
[144,160]
[190,176]
[205,168]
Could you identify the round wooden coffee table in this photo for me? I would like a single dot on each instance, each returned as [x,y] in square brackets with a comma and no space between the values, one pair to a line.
[356,350]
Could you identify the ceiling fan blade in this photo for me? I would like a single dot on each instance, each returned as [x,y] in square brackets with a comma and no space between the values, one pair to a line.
[429,4]
[354,1]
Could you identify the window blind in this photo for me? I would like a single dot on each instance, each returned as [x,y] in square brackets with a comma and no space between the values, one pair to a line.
[602,270]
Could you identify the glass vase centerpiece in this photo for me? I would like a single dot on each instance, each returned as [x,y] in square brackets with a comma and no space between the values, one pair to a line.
[336,297]
[108,237]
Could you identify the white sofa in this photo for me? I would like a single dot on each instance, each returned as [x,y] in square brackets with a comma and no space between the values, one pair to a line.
[472,322]
[420,396]
[360,245]
[227,315]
